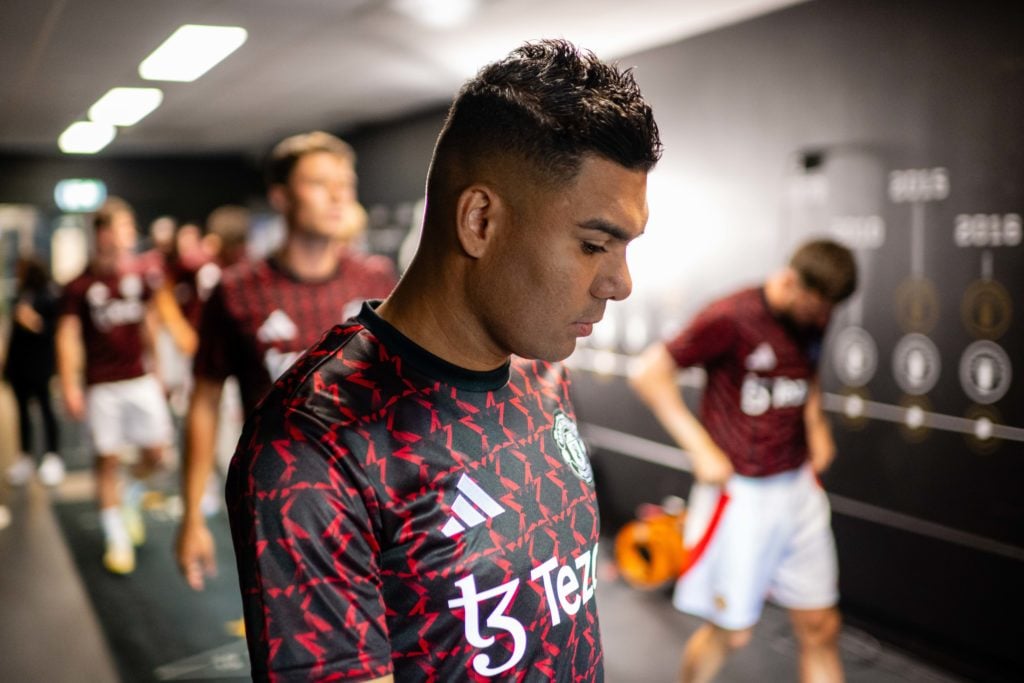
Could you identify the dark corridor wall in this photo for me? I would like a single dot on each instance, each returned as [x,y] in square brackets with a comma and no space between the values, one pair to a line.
[186,187]
[897,128]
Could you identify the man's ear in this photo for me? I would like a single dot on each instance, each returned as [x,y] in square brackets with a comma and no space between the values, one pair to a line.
[277,194]
[476,215]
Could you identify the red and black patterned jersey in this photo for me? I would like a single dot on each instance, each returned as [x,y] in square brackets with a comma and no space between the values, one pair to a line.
[393,512]
[759,372]
[260,317]
[112,311]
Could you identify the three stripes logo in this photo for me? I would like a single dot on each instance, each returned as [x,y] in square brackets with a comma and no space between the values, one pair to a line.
[471,508]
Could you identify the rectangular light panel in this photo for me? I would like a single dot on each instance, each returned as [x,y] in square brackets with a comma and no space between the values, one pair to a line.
[86,137]
[125,106]
[191,51]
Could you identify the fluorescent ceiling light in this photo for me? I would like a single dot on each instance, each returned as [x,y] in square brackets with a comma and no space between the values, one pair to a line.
[191,51]
[125,106]
[86,137]
[437,13]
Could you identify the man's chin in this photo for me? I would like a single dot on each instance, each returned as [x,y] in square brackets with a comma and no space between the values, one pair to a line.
[551,354]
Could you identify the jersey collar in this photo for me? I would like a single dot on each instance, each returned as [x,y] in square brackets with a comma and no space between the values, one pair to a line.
[427,363]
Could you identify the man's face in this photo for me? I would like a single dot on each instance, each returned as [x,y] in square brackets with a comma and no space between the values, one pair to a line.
[117,239]
[318,196]
[808,308]
[561,257]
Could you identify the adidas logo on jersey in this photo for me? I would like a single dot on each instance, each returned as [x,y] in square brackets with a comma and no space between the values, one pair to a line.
[472,507]
[762,358]
[277,327]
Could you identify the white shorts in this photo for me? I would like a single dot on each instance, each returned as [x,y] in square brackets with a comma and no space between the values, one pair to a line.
[773,541]
[131,412]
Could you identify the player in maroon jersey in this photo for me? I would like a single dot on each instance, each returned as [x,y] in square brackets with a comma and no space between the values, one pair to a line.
[412,501]
[760,442]
[102,331]
[189,281]
[263,314]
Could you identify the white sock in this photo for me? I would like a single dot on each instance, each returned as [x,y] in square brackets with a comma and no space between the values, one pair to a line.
[114,530]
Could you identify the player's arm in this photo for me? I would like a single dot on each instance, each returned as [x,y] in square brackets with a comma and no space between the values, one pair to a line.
[304,514]
[212,364]
[820,443]
[654,378]
[170,315]
[150,334]
[70,356]
[194,548]
[28,317]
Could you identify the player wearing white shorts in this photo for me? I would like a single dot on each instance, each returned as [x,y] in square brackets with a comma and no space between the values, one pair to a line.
[773,539]
[758,521]
[100,334]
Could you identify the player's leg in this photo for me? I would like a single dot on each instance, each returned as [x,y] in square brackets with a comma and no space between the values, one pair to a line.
[119,553]
[104,415]
[707,649]
[817,633]
[807,583]
[151,429]
[726,585]
[149,425]
[19,473]
[51,467]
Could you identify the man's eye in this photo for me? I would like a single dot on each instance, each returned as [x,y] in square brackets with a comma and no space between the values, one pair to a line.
[590,248]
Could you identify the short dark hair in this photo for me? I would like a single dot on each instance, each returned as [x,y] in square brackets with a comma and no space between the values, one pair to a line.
[827,268]
[286,154]
[550,104]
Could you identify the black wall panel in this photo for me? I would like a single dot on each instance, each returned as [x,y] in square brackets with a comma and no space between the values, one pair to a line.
[186,187]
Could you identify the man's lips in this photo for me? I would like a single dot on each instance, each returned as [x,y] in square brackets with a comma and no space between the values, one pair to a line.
[585,327]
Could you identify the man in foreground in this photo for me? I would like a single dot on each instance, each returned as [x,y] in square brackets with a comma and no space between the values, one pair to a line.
[412,502]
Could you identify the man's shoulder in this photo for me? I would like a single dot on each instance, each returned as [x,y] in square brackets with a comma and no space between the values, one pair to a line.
[245,274]
[77,285]
[336,372]
[740,303]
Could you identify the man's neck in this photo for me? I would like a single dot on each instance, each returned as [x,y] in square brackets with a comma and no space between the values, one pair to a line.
[109,264]
[433,313]
[310,257]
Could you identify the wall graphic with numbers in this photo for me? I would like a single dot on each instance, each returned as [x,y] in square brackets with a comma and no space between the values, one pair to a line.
[937,275]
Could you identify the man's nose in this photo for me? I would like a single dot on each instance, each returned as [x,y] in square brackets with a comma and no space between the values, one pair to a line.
[615,284]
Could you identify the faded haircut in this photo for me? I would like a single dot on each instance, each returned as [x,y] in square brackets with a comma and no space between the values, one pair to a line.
[550,104]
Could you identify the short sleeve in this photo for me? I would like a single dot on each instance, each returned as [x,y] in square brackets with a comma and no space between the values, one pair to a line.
[71,299]
[306,541]
[710,335]
[218,349]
